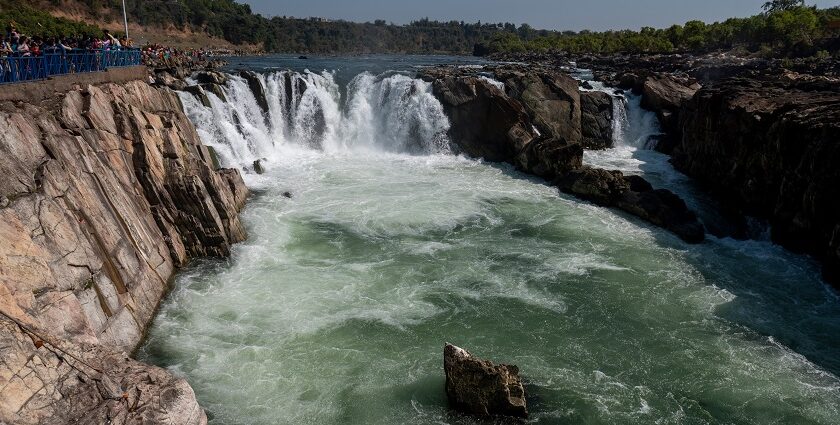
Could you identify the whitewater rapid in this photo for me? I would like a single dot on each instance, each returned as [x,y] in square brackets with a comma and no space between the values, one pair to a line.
[336,309]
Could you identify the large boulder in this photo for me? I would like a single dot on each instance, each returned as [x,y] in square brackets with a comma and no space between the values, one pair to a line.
[596,120]
[552,100]
[482,388]
[485,122]
[211,77]
[550,158]
[665,94]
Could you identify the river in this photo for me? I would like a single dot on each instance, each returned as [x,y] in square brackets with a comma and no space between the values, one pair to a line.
[336,309]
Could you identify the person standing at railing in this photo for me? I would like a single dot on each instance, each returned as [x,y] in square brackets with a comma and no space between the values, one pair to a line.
[23,47]
[110,41]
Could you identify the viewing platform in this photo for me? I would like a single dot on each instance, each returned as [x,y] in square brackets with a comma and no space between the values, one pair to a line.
[19,69]
[33,79]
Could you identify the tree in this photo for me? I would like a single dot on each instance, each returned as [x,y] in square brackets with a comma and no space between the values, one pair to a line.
[774,6]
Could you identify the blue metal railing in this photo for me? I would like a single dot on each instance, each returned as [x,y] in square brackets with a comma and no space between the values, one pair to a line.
[15,69]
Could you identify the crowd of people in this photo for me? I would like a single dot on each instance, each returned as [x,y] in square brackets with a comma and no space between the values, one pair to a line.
[16,44]
[158,56]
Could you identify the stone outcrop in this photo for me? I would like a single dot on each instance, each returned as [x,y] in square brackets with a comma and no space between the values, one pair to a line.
[485,121]
[551,99]
[107,190]
[596,120]
[537,124]
[482,388]
[257,88]
[769,146]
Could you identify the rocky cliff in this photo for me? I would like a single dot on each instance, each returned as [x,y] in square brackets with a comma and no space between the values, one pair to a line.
[533,117]
[106,191]
[769,146]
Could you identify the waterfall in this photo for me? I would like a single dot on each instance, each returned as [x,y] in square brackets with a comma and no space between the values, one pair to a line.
[632,125]
[391,112]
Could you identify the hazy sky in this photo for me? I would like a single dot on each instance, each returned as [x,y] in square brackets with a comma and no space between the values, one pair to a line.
[544,14]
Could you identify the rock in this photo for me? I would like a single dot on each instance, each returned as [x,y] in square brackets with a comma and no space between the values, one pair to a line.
[109,190]
[287,195]
[256,86]
[551,99]
[211,77]
[481,388]
[634,195]
[632,82]
[199,94]
[216,89]
[485,122]
[665,95]
[258,168]
[586,85]
[167,80]
[768,147]
[550,158]
[596,120]
[62,382]
[666,92]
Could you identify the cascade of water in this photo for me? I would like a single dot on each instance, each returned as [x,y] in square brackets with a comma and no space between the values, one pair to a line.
[390,112]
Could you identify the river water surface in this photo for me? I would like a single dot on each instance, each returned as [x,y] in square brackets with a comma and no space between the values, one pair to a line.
[336,309]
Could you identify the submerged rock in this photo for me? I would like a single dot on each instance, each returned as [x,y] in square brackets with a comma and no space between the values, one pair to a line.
[480,387]
[258,168]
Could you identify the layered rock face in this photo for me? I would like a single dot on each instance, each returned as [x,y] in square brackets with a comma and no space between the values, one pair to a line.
[482,388]
[106,191]
[770,146]
[539,121]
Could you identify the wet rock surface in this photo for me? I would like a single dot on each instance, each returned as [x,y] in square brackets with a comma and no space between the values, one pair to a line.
[109,190]
[482,388]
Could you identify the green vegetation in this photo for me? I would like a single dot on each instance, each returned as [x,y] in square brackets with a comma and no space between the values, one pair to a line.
[786,28]
[28,20]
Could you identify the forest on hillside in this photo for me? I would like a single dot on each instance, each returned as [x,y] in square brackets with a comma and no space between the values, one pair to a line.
[783,28]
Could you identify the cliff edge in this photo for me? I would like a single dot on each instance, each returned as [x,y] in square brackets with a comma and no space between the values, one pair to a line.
[105,192]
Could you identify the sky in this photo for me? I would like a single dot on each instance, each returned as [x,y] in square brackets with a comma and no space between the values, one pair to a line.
[543,14]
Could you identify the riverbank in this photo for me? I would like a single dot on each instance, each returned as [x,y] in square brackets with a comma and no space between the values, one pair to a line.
[756,133]
[108,192]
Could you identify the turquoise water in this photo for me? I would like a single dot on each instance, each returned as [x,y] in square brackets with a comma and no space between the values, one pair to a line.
[336,309]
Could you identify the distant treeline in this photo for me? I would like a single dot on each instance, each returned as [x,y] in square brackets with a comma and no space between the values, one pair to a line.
[786,27]
[782,30]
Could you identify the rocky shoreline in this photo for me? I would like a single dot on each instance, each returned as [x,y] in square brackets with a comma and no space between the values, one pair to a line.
[760,135]
[539,121]
[108,191]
